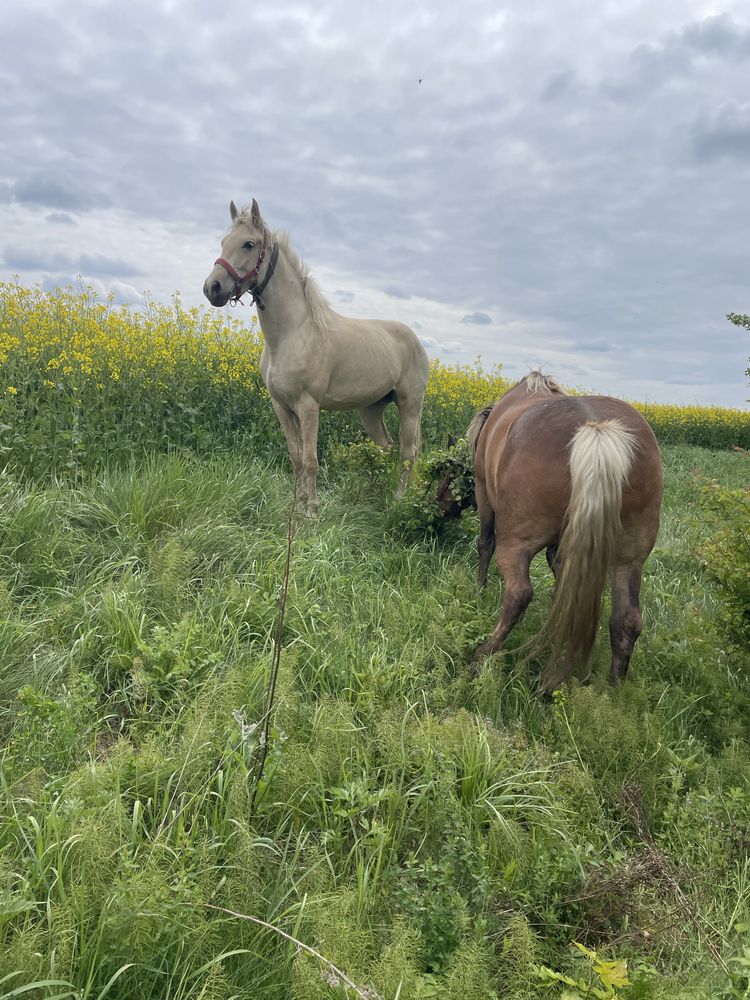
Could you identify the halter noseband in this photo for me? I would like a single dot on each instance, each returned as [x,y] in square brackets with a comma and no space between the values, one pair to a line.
[256,288]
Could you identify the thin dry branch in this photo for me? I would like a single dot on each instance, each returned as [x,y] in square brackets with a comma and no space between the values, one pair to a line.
[338,976]
[276,660]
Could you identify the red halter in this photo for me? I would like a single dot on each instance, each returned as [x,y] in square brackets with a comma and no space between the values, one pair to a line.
[240,279]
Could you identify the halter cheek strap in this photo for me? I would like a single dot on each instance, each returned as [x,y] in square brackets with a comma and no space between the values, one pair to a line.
[255,287]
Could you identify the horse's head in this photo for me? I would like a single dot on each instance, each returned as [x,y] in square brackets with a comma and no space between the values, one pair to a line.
[243,251]
[455,491]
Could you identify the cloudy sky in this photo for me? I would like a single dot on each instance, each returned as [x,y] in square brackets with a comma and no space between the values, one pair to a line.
[569,183]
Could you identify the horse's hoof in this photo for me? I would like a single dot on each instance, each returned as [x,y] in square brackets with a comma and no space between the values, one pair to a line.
[476,664]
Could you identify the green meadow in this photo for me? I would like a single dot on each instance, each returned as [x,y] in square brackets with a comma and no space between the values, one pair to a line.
[430,836]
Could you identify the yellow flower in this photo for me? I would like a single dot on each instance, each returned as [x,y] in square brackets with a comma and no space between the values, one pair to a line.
[12,391]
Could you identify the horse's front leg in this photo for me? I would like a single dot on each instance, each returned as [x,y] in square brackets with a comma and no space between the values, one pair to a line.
[290,427]
[308,414]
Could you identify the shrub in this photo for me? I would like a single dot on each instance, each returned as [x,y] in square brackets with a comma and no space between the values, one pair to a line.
[727,556]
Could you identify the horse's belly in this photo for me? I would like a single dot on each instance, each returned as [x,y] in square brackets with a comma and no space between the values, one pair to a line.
[361,380]
[343,400]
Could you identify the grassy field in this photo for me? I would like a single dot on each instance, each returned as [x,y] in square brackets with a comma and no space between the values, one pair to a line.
[433,837]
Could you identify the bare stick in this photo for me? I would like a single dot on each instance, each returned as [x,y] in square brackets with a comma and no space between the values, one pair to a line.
[364,993]
[276,660]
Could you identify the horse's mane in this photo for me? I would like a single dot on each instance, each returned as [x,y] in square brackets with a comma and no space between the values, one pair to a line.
[320,308]
[537,381]
[476,425]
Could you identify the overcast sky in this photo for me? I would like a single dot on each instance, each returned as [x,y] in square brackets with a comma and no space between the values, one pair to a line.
[569,183]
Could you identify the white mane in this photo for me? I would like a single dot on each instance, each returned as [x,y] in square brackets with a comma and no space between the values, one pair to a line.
[317,303]
[539,382]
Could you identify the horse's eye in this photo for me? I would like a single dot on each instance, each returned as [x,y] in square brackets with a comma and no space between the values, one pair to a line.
[248,245]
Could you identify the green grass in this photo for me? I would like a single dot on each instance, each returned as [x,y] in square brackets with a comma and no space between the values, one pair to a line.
[432,836]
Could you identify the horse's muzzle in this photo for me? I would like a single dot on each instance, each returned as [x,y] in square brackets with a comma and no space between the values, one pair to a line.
[215,293]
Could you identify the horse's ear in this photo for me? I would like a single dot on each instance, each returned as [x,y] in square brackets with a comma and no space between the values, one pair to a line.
[451,441]
[233,213]
[255,214]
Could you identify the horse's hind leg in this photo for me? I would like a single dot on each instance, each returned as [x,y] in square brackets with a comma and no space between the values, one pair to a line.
[410,412]
[552,562]
[486,540]
[625,623]
[372,418]
[517,593]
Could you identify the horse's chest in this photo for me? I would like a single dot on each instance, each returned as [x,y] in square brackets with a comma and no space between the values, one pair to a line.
[286,383]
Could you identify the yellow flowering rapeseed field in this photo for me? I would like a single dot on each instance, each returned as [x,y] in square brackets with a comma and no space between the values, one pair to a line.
[84,381]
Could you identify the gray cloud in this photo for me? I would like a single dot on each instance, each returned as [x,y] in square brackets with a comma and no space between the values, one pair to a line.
[395,292]
[558,85]
[598,346]
[724,132]
[95,263]
[92,264]
[36,260]
[479,318]
[61,219]
[718,35]
[51,190]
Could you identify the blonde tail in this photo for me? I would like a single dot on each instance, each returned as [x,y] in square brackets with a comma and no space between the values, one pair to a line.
[601,454]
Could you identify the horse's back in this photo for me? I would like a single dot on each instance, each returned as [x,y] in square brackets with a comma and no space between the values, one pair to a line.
[525,456]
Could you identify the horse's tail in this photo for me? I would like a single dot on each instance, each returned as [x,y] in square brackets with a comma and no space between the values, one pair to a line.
[476,425]
[601,454]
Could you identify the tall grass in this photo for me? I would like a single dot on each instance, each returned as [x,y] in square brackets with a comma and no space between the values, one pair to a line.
[431,836]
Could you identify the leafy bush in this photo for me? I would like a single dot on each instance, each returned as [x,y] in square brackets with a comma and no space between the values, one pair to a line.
[727,555]
[365,468]
[419,513]
[742,320]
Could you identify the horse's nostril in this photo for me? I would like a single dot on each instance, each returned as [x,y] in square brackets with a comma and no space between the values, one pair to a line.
[215,287]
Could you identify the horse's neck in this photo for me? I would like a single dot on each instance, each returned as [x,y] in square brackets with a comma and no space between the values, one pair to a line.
[286,309]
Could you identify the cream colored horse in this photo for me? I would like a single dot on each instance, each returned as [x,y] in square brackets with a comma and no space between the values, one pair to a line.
[314,358]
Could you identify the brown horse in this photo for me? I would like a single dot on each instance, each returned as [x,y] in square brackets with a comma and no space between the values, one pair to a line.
[581,477]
